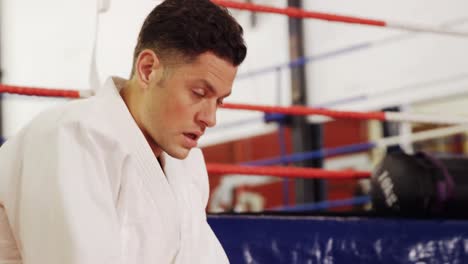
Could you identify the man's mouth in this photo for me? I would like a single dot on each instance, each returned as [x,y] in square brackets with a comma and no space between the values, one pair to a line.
[192,136]
[191,139]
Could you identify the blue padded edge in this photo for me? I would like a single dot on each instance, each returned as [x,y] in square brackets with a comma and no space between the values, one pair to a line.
[277,239]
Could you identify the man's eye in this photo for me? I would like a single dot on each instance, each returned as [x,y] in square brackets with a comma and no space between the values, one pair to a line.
[199,92]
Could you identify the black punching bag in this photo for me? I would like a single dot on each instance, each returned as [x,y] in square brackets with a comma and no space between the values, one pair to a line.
[420,185]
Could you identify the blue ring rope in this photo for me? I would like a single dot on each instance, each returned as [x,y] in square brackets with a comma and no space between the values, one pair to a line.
[342,51]
[311,207]
[317,154]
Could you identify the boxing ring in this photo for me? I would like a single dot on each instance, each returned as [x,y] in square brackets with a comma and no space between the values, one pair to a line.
[291,235]
[326,238]
[303,233]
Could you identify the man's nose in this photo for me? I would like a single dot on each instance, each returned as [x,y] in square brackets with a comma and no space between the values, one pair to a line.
[208,114]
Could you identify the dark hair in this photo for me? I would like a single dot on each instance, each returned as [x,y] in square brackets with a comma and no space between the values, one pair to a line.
[189,28]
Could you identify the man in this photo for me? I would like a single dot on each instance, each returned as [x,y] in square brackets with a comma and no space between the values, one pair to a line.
[117,178]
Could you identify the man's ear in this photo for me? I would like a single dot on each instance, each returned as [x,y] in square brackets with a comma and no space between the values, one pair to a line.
[146,66]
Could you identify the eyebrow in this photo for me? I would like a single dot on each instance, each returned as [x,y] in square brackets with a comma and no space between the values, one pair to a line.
[211,88]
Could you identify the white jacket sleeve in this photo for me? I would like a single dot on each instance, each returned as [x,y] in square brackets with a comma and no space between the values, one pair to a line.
[64,207]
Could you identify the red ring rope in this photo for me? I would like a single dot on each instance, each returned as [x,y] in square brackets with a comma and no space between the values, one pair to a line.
[303,110]
[290,172]
[299,13]
[39,91]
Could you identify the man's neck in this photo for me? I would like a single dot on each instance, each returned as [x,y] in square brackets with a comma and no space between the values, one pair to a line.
[129,96]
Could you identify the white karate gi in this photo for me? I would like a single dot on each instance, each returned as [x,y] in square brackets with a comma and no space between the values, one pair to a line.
[80,184]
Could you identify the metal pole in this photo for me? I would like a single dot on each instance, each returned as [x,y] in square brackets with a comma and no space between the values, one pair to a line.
[306,137]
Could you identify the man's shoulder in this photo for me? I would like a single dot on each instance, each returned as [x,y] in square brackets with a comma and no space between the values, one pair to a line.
[76,124]
[83,114]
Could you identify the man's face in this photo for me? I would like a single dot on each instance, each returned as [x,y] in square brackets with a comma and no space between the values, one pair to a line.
[177,110]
